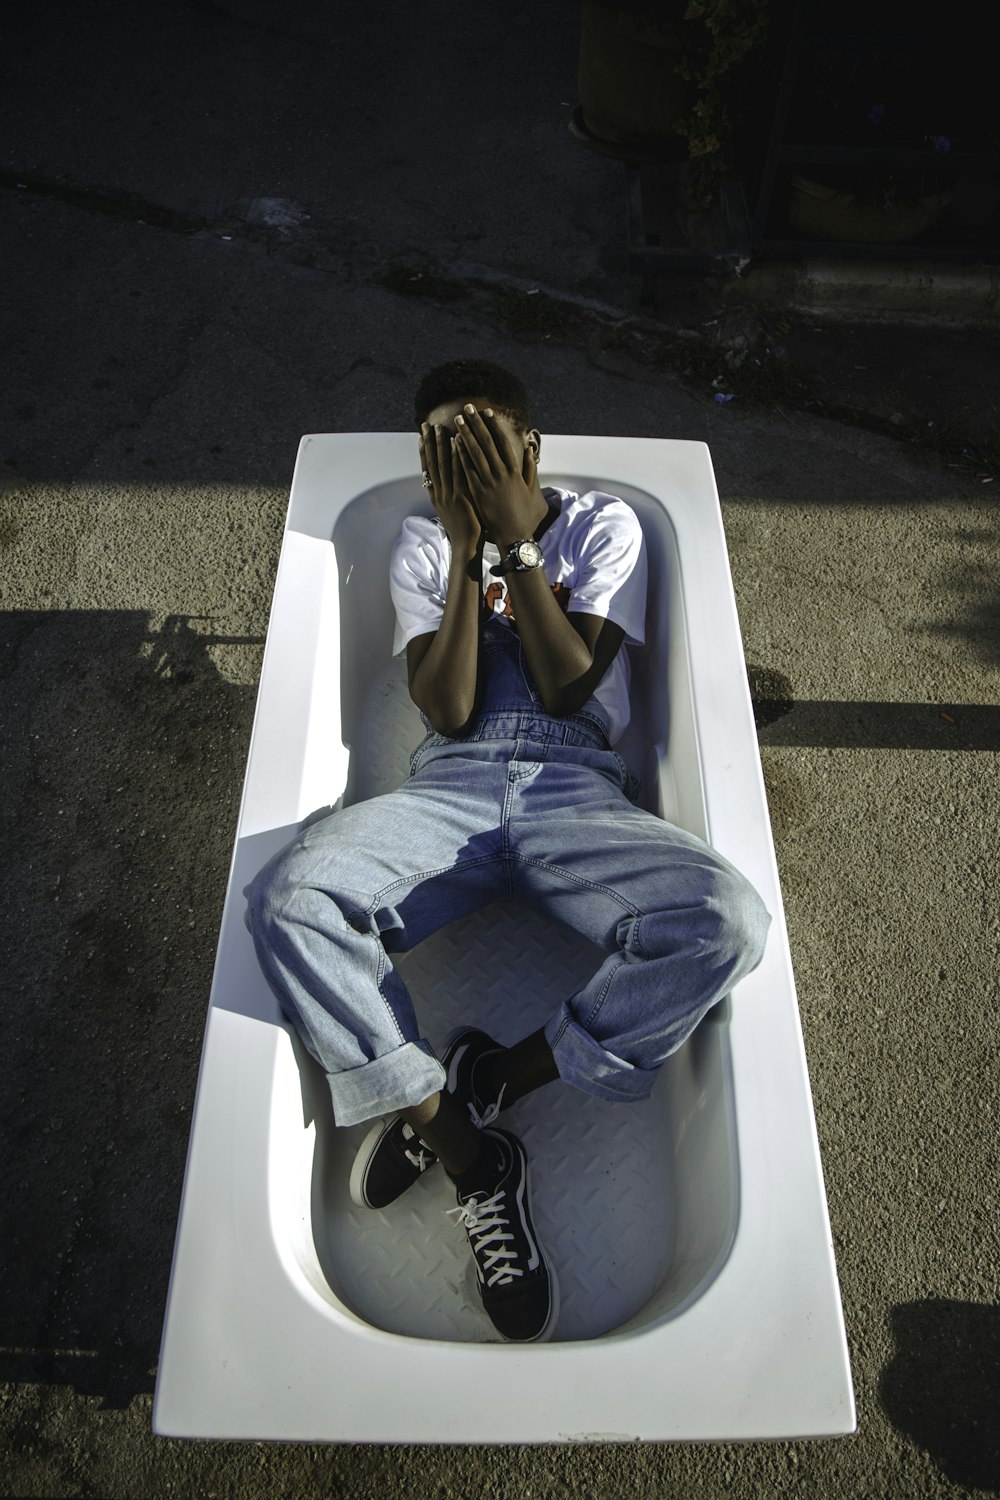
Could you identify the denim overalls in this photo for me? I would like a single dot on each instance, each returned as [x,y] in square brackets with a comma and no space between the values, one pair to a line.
[529,809]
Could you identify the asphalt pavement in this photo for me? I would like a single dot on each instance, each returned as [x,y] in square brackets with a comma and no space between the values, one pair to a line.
[225,225]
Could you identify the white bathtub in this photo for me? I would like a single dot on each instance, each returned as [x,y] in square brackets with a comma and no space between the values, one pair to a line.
[699,1295]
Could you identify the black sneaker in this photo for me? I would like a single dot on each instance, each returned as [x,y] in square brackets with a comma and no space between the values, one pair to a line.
[392,1156]
[390,1159]
[518,1288]
[463,1049]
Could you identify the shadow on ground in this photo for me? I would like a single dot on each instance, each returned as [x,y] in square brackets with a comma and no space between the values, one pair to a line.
[126,748]
[781,719]
[943,1387]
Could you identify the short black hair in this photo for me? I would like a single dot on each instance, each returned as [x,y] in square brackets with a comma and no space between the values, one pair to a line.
[473,377]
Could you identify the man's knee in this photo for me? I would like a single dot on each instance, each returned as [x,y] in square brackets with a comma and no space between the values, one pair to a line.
[725,921]
[742,920]
[272,892]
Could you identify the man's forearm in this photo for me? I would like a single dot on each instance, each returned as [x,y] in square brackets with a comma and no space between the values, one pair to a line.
[445,682]
[558,657]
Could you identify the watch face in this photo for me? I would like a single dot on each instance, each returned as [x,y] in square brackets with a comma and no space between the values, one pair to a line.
[529,554]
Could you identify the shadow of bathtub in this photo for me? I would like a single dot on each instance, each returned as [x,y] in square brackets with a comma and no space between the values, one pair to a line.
[124,754]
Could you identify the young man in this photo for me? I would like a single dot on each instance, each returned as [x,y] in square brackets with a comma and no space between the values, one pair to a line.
[513,605]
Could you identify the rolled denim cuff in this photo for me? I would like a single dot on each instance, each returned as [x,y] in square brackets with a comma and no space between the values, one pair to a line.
[388,1083]
[588,1066]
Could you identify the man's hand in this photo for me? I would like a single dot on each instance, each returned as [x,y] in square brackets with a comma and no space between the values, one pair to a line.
[500,483]
[567,654]
[447,495]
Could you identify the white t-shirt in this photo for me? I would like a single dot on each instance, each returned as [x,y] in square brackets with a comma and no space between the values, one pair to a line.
[594,559]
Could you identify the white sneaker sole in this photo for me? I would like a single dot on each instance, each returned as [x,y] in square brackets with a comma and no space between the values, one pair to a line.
[363,1159]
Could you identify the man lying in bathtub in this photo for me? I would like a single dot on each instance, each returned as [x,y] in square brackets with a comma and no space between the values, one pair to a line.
[513,606]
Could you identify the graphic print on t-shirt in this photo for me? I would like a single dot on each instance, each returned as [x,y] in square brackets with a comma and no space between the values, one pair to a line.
[496,599]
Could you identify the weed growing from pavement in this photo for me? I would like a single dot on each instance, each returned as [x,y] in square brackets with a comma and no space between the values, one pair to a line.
[536,313]
[756,380]
[766,381]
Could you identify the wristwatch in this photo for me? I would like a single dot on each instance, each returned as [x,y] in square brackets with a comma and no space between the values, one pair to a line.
[521,557]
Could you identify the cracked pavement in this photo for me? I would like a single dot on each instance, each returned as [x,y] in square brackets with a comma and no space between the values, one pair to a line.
[236,227]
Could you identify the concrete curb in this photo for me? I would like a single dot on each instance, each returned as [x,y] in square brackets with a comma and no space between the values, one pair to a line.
[873,290]
[866,291]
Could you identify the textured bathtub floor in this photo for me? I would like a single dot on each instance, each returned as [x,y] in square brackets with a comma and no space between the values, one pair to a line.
[600,1172]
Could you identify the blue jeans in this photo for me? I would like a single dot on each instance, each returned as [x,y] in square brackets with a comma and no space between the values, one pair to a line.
[527,809]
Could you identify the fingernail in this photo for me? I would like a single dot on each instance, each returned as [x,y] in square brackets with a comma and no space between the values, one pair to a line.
[459,420]
[488,411]
[470,408]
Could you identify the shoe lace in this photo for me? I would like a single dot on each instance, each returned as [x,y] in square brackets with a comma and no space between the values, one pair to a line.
[486,1222]
[489,1114]
[422,1157]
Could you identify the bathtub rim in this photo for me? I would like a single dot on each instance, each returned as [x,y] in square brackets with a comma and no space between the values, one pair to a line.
[816,1396]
